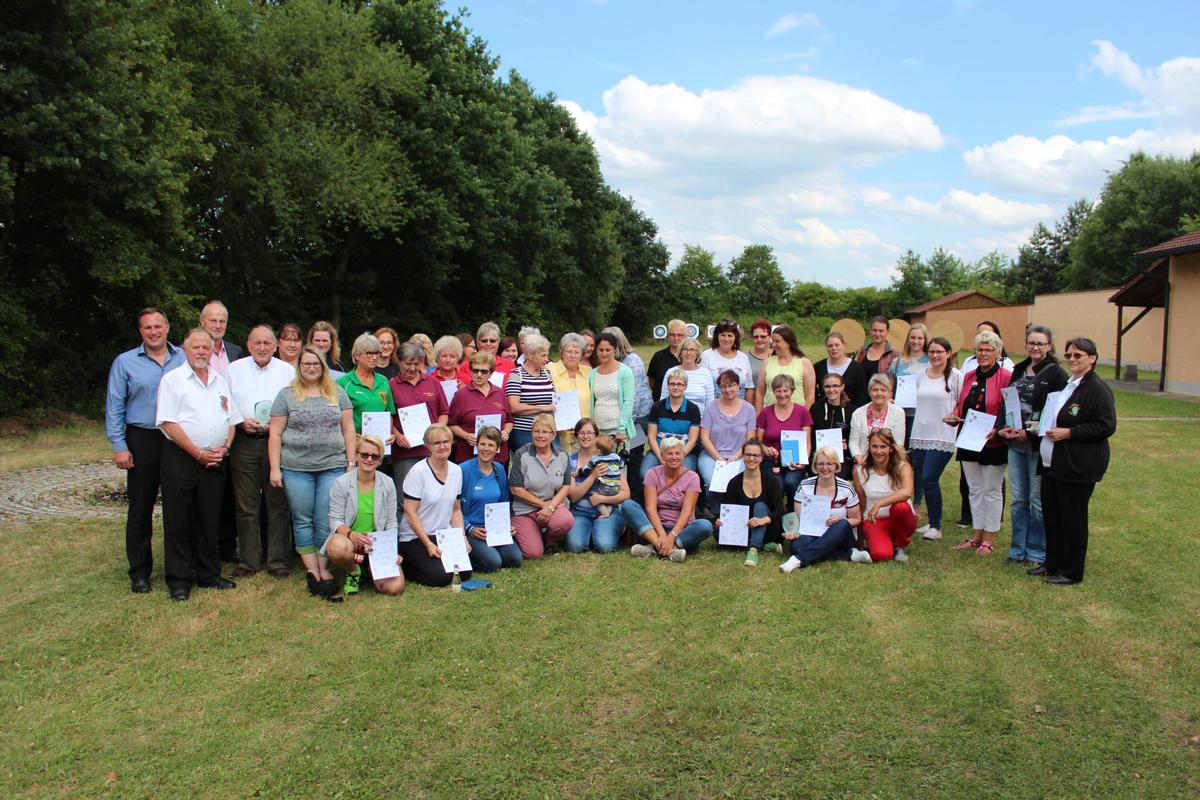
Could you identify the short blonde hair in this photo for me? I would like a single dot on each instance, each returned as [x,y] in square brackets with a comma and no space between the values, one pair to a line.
[545,421]
[437,430]
[373,440]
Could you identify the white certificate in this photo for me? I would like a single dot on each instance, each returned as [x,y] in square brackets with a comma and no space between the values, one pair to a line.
[450,388]
[906,391]
[814,510]
[484,421]
[377,423]
[453,544]
[793,448]
[498,524]
[975,430]
[414,421]
[1012,406]
[734,529]
[497,379]
[831,438]
[566,410]
[383,555]
[725,472]
[1049,419]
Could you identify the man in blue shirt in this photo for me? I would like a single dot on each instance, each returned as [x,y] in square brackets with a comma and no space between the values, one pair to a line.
[136,441]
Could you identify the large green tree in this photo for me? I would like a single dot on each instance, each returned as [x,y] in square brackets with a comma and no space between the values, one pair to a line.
[756,284]
[699,289]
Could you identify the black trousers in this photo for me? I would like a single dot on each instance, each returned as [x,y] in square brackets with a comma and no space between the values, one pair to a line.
[1065,512]
[192,497]
[146,446]
[419,567]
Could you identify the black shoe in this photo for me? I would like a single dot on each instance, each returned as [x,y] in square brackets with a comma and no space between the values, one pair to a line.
[1040,569]
[180,594]
[314,585]
[139,586]
[244,572]
[963,523]
[219,583]
[279,573]
[1060,580]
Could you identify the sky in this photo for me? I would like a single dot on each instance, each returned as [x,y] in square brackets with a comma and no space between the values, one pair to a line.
[844,133]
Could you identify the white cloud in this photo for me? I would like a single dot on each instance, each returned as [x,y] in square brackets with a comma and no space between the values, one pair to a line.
[962,208]
[787,58]
[789,21]
[1167,92]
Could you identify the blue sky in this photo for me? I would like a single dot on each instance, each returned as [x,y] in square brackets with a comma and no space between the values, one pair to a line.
[842,134]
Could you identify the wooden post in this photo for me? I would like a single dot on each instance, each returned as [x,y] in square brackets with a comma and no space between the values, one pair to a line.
[1120,336]
[1162,375]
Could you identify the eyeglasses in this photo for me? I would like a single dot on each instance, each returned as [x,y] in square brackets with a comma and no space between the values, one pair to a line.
[476,371]
[1074,356]
[489,341]
[746,455]
[1038,345]
[440,443]
[374,353]
[936,352]
[369,456]
[311,364]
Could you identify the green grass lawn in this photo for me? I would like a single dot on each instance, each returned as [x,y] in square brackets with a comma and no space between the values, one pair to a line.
[952,676]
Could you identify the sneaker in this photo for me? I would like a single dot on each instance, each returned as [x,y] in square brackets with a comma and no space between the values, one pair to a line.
[900,555]
[751,558]
[641,550]
[923,528]
[933,534]
[352,578]
[788,566]
[773,547]
[678,555]
[860,556]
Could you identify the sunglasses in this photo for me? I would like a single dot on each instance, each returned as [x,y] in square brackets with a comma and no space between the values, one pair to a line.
[483,371]
[369,456]
[1074,356]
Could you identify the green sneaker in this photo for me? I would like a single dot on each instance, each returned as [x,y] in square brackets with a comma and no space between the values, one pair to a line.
[352,581]
[773,547]
[751,557]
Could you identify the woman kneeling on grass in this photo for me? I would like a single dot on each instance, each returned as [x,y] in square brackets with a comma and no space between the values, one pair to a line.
[885,483]
[668,523]
[362,501]
[837,542]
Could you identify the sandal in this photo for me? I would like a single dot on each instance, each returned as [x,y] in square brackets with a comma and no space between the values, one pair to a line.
[985,548]
[966,543]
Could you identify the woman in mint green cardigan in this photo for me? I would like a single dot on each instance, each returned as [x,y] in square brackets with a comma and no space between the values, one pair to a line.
[613,392]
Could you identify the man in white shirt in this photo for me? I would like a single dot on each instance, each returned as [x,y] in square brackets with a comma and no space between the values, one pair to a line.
[254,382]
[197,415]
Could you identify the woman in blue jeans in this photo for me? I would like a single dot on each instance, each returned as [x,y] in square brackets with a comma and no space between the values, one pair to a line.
[598,519]
[759,489]
[836,542]
[668,522]
[1034,379]
[932,441]
[483,483]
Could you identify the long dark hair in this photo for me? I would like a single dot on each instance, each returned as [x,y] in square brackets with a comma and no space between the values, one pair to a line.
[788,335]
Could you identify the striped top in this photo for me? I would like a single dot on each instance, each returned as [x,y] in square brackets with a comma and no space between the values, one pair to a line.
[844,496]
[532,390]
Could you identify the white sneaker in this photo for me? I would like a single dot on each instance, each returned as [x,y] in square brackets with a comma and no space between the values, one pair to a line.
[900,555]
[789,565]
[678,555]
[933,534]
[641,550]
[923,528]
[860,556]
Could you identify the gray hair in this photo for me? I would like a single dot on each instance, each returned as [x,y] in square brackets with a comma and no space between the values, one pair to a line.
[670,442]
[623,346]
[413,351]
[485,329]
[536,343]
[572,338]
[528,330]
[450,343]
[987,337]
[882,380]
[195,331]
[781,380]
[363,343]
[677,374]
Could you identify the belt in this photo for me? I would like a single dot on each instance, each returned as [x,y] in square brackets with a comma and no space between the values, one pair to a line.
[239,433]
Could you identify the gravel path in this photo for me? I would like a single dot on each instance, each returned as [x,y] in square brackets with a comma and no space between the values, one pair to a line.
[66,490]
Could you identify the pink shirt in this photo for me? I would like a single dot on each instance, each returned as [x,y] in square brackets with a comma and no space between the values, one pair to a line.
[670,499]
[772,426]
[220,358]
[470,403]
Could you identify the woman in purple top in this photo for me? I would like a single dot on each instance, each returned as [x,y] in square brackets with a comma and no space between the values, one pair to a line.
[668,523]
[773,420]
[726,425]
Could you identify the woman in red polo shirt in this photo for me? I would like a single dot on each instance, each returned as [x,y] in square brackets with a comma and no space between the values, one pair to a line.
[477,399]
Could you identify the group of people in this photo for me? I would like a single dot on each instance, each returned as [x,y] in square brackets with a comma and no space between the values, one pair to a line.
[293,445]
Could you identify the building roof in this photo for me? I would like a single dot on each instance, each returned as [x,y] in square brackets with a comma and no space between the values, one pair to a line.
[1188,243]
[952,298]
[1147,290]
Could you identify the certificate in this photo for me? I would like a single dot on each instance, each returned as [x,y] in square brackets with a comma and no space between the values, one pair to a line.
[725,472]
[498,524]
[383,555]
[1012,407]
[453,545]
[484,421]
[377,423]
[735,528]
[566,410]
[414,421]
[831,438]
[793,448]
[814,510]
[975,430]
[906,391]
[1049,417]
[450,388]
[497,379]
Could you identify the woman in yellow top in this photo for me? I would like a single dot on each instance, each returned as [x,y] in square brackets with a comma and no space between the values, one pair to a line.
[570,374]
[789,360]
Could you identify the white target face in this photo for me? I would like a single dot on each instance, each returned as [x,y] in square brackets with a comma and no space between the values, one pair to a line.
[660,331]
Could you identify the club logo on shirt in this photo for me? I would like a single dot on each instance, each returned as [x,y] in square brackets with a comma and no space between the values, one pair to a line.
[1073,409]
[225,404]
[383,398]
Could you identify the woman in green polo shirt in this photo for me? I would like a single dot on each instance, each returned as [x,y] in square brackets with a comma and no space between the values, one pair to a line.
[366,388]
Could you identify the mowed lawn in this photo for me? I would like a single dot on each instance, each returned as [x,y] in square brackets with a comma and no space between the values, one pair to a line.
[951,676]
